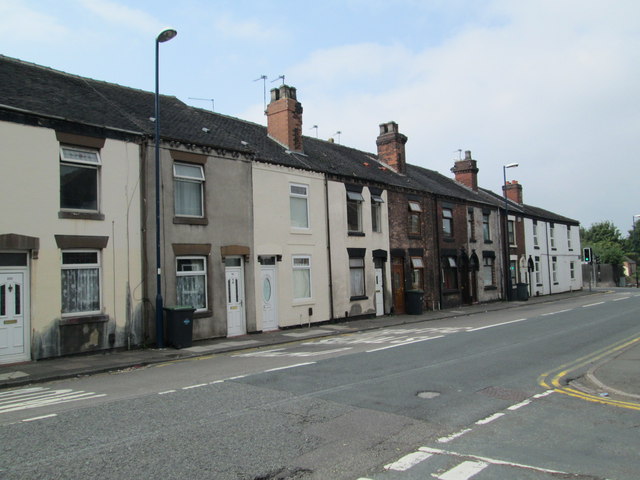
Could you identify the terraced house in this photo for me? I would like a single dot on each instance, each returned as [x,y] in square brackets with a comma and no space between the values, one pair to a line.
[261,228]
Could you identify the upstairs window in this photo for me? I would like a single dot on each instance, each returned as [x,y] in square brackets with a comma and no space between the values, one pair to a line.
[188,190]
[299,205]
[552,236]
[486,227]
[414,219]
[472,225]
[569,244]
[535,234]
[447,222]
[511,234]
[79,179]
[376,213]
[354,211]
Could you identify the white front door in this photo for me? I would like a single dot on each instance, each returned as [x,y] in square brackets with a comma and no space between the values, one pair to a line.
[235,297]
[269,299]
[379,292]
[13,332]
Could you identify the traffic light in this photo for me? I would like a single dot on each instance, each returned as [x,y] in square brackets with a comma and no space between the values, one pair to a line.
[587,254]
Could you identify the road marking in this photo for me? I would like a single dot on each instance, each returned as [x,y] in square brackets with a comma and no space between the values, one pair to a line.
[195,386]
[408,461]
[403,344]
[16,400]
[51,415]
[464,471]
[555,313]
[553,379]
[289,366]
[497,325]
[490,418]
[519,405]
[281,352]
[623,298]
[491,461]
[166,392]
[453,436]
[592,304]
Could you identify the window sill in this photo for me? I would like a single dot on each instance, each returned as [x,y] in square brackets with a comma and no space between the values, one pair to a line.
[300,231]
[536,247]
[190,221]
[359,297]
[81,215]
[490,287]
[202,314]
[81,320]
[356,234]
[303,302]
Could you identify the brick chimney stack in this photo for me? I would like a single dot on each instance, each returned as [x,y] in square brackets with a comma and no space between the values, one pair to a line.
[391,144]
[466,171]
[284,118]
[513,191]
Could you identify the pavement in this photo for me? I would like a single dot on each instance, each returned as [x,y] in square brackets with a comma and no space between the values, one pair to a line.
[618,375]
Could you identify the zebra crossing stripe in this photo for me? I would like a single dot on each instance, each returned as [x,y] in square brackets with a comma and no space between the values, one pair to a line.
[16,400]
[463,471]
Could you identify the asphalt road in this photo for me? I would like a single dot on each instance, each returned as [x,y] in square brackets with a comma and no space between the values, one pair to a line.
[451,399]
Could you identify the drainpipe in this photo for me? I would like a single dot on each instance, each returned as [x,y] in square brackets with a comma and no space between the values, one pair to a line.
[326,205]
[548,255]
[438,256]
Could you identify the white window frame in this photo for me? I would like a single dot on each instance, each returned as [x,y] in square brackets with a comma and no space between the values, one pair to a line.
[182,178]
[81,266]
[357,199]
[552,236]
[376,213]
[554,269]
[417,273]
[447,222]
[356,264]
[302,193]
[486,227]
[511,232]
[488,270]
[537,271]
[85,162]
[572,270]
[535,234]
[301,263]
[193,273]
[569,245]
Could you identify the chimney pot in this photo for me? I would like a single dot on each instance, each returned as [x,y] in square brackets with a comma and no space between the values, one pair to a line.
[391,150]
[284,118]
[466,171]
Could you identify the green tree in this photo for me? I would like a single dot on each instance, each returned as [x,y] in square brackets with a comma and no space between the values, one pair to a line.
[601,232]
[609,252]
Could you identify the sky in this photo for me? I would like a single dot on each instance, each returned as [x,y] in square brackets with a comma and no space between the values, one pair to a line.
[553,85]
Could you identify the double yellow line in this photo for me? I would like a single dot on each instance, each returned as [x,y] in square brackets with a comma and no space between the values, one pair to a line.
[553,379]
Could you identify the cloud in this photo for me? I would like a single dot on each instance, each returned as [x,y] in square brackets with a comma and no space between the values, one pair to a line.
[251,30]
[19,23]
[553,86]
[124,16]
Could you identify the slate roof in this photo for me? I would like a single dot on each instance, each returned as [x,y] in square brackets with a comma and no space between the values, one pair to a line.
[534,212]
[42,91]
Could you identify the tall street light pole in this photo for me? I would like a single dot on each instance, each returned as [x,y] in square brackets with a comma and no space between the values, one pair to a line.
[635,242]
[507,261]
[164,36]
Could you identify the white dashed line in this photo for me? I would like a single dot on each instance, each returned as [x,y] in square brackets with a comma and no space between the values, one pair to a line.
[464,471]
[166,392]
[403,344]
[195,386]
[497,325]
[490,419]
[51,415]
[519,405]
[592,304]
[289,366]
[454,436]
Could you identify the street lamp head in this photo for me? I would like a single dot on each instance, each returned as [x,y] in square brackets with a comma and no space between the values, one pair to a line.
[166,35]
[511,165]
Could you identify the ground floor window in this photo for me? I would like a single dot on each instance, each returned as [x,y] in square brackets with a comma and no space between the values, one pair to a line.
[191,282]
[301,277]
[554,269]
[450,272]
[417,273]
[356,275]
[488,271]
[572,269]
[80,281]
